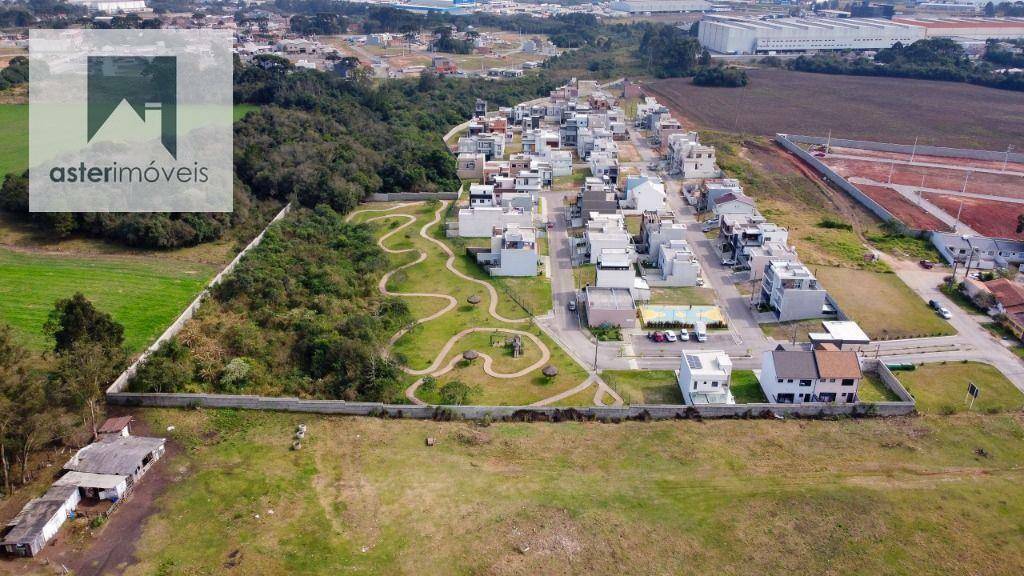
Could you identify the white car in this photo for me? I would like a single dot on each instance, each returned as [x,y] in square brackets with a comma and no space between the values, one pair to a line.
[684,336]
[670,336]
[945,313]
[728,262]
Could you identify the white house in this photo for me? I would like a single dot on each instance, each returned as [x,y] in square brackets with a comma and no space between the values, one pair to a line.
[820,375]
[615,270]
[560,160]
[679,265]
[792,291]
[758,257]
[607,231]
[482,195]
[658,229]
[704,377]
[646,196]
[689,158]
[480,221]
[513,252]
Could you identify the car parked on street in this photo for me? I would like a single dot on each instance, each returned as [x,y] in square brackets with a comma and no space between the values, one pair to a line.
[670,336]
[945,313]
[728,262]
[927,264]
[934,304]
[572,305]
[684,336]
[659,337]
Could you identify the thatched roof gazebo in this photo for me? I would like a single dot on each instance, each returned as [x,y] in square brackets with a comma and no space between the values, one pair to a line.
[549,371]
[473,299]
[470,355]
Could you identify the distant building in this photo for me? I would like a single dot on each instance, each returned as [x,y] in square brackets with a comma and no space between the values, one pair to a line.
[748,35]
[659,6]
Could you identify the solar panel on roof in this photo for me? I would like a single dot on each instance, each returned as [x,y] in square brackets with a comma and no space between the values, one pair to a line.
[694,362]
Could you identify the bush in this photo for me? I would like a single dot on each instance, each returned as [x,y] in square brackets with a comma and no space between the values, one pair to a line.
[721,76]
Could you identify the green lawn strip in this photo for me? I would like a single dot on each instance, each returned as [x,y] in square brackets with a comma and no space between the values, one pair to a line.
[367,496]
[745,387]
[942,388]
[872,389]
[144,296]
[960,299]
[644,386]
[14,140]
[683,295]
[883,306]
[582,398]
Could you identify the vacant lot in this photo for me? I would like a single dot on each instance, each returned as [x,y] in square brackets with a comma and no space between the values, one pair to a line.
[1010,185]
[942,388]
[644,386]
[909,213]
[881,303]
[878,109]
[988,217]
[366,496]
[143,295]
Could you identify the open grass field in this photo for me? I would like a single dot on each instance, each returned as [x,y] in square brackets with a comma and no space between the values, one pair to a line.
[942,388]
[13,138]
[644,386]
[366,496]
[885,307]
[144,296]
[683,295]
[856,107]
[420,346]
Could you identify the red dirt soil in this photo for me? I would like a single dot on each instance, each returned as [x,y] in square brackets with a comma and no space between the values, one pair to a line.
[988,217]
[991,164]
[1007,185]
[908,212]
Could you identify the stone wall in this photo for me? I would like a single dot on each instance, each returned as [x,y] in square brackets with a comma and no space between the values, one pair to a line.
[412,196]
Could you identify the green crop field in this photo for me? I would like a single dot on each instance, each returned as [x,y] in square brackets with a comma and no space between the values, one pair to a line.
[367,496]
[144,296]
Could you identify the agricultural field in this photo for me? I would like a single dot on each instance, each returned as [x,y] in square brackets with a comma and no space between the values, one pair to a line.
[368,496]
[409,230]
[144,295]
[855,107]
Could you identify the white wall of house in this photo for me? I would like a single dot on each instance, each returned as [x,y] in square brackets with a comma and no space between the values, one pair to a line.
[480,222]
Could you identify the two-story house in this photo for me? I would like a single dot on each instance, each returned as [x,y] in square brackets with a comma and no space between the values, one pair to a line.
[704,377]
[826,374]
[513,252]
[792,292]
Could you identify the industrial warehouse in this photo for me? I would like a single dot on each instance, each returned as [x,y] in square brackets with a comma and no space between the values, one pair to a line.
[735,35]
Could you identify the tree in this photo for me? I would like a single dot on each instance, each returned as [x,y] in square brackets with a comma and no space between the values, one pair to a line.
[1020,223]
[82,374]
[456,393]
[705,58]
[75,319]
[12,371]
[990,10]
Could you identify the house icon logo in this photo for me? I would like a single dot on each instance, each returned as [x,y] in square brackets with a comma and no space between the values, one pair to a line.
[146,83]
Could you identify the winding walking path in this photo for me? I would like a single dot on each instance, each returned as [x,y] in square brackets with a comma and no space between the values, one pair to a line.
[435,368]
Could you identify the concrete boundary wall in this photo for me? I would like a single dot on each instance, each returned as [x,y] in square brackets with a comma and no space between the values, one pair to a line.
[412,196]
[877,209]
[122,381]
[538,413]
[909,149]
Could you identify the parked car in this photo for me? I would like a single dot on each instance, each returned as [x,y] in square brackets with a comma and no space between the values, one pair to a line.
[670,336]
[819,154]
[934,304]
[700,331]
[551,223]
[572,305]
[659,337]
[728,262]
[684,336]
[650,335]
[927,264]
[945,313]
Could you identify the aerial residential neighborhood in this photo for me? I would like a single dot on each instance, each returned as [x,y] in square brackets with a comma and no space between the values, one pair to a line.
[495,287]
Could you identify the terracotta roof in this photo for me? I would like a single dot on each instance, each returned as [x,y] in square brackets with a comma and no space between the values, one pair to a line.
[837,364]
[1007,293]
[114,425]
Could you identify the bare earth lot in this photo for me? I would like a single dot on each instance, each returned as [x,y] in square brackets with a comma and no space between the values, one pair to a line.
[908,212]
[864,108]
[988,217]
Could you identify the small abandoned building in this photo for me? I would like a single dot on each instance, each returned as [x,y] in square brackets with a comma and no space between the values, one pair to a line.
[104,470]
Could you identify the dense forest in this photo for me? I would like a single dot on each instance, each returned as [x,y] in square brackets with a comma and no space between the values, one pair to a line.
[930,59]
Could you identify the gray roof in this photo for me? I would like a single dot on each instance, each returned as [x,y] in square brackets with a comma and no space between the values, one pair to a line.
[795,364]
[121,455]
[28,524]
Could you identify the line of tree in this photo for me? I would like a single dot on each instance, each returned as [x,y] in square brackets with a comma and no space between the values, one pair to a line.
[44,406]
[929,59]
[723,76]
[998,55]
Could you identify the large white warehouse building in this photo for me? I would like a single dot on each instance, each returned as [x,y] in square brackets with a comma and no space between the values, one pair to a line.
[732,35]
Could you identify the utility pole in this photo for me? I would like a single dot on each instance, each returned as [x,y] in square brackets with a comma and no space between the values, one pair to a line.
[914,151]
[956,226]
[1006,158]
[828,143]
[892,168]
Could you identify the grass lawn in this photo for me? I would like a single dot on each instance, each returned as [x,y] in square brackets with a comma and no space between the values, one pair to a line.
[683,295]
[882,304]
[585,275]
[960,299]
[644,386]
[745,387]
[420,346]
[143,295]
[872,389]
[366,496]
[584,397]
[787,331]
[633,222]
[14,143]
[942,388]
